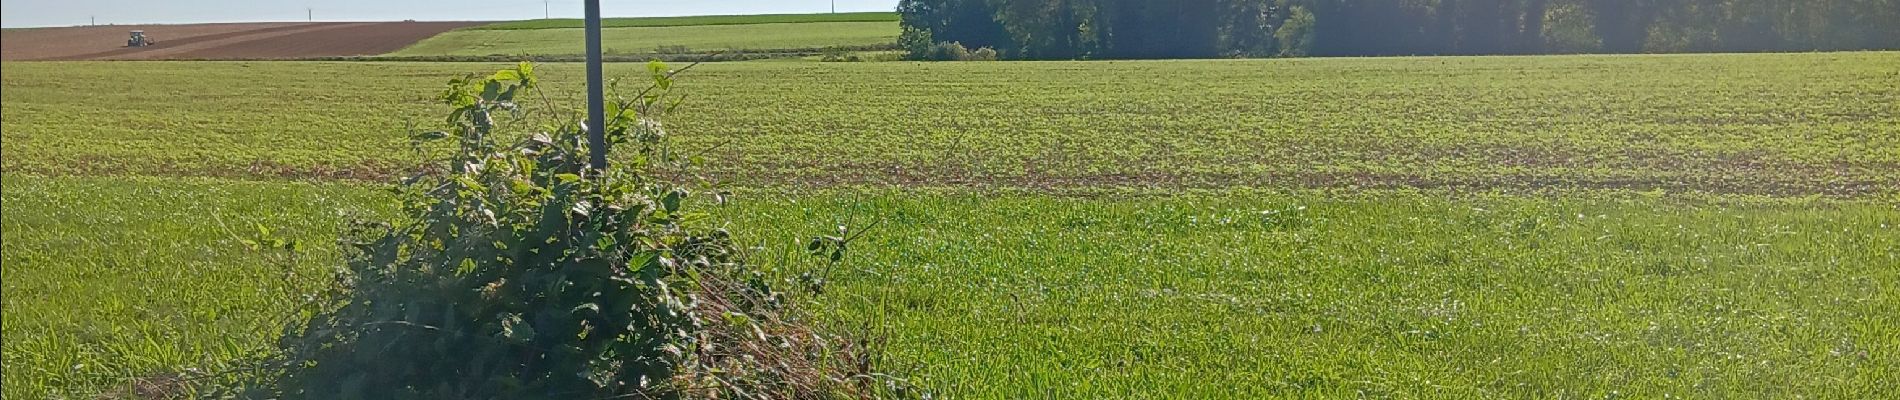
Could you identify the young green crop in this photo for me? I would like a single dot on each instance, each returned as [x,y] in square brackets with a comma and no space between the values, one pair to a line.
[111,279]
[1199,266]
[697,20]
[664,39]
[1789,124]
[1002,295]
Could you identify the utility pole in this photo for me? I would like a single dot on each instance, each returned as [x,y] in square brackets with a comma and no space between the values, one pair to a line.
[546,10]
[834,6]
[596,95]
[95,20]
[310,14]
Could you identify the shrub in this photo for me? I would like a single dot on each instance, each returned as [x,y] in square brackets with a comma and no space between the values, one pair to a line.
[916,43]
[954,51]
[981,54]
[947,51]
[520,273]
[840,55]
[882,56]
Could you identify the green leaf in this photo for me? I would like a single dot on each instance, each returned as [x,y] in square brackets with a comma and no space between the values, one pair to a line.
[491,91]
[508,95]
[467,266]
[738,319]
[657,68]
[659,72]
[671,203]
[525,71]
[516,330]
[470,183]
[505,75]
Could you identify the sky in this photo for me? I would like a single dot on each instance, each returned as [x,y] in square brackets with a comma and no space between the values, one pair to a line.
[37,13]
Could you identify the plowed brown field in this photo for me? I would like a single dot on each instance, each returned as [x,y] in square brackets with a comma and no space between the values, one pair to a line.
[219,41]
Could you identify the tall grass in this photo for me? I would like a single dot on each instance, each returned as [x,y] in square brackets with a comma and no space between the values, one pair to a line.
[1221,295]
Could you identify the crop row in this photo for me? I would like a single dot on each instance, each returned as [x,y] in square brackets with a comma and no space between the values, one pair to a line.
[1797,124]
[656,39]
[696,21]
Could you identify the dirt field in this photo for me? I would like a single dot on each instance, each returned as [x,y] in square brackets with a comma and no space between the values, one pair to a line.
[219,41]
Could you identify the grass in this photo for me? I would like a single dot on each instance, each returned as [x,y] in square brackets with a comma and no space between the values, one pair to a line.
[696,21]
[1001,295]
[1752,124]
[1707,226]
[640,40]
[111,279]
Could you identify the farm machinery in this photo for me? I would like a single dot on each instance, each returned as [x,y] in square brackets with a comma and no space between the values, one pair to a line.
[140,39]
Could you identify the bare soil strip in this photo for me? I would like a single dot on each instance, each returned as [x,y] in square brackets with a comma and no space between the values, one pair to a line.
[348,40]
[219,41]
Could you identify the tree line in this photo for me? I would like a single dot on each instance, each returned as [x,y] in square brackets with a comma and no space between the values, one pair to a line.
[1124,29]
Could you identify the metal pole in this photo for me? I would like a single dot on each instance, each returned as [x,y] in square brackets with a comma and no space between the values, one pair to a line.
[596,94]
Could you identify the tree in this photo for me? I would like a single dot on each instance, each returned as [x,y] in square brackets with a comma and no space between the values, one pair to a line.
[1246,28]
[1061,29]
[1531,28]
[1297,35]
[970,22]
[1623,25]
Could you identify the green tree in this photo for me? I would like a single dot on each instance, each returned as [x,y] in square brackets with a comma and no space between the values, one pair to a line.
[1297,35]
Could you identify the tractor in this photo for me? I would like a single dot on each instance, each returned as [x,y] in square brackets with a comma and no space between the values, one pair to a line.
[139,39]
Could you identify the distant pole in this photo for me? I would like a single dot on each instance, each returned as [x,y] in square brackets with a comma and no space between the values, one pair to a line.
[310,14]
[596,94]
[834,6]
[547,11]
[95,20]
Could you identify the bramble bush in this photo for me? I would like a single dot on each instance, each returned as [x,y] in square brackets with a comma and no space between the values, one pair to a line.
[521,273]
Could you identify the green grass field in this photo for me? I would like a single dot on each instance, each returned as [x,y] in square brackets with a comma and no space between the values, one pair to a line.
[697,20]
[1750,124]
[1715,226]
[1012,296]
[649,39]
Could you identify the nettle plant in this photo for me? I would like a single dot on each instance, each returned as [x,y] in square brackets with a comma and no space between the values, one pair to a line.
[521,273]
